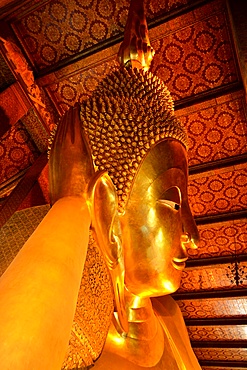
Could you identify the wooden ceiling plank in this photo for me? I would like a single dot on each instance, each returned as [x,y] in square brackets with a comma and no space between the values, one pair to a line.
[219,344]
[208,95]
[226,293]
[224,162]
[219,321]
[228,364]
[221,217]
[215,260]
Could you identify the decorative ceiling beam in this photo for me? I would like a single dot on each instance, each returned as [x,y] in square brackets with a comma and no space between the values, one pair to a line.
[20,192]
[221,217]
[219,344]
[224,162]
[227,293]
[200,262]
[208,95]
[225,364]
[219,321]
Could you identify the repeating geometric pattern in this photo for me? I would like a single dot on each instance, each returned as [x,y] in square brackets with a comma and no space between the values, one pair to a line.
[217,60]
[79,86]
[36,129]
[17,151]
[85,22]
[10,107]
[209,278]
[221,239]
[203,60]
[213,308]
[235,354]
[218,191]
[223,333]
[217,128]
[93,312]
[16,231]
[6,78]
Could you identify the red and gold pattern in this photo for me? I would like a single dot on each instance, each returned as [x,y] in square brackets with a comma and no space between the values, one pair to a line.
[222,125]
[208,278]
[218,191]
[194,55]
[235,354]
[192,59]
[17,151]
[79,86]
[176,50]
[213,308]
[12,104]
[55,30]
[221,239]
[217,333]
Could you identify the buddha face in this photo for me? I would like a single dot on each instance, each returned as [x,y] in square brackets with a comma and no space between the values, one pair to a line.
[157,226]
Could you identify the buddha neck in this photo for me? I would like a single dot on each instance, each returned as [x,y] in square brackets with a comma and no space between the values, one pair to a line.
[144,343]
[143,323]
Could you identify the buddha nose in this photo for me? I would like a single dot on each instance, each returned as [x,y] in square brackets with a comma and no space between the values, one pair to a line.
[190,232]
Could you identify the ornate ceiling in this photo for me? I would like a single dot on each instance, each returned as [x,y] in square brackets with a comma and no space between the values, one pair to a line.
[54,53]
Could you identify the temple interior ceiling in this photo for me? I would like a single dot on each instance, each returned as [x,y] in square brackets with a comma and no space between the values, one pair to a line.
[54,53]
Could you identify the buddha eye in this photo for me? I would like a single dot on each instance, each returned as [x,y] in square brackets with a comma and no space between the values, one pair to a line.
[171,198]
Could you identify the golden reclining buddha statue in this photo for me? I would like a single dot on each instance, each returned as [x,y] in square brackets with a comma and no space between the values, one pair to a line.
[118,182]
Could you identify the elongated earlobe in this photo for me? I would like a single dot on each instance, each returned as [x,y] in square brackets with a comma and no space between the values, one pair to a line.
[103,205]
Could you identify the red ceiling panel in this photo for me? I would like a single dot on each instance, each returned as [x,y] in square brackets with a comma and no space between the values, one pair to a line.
[213,308]
[221,239]
[78,85]
[218,191]
[192,57]
[235,354]
[218,333]
[216,128]
[58,29]
[209,278]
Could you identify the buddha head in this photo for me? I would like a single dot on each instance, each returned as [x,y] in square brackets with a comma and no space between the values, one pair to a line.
[140,211]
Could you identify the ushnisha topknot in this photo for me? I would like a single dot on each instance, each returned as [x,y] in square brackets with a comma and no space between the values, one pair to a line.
[130,111]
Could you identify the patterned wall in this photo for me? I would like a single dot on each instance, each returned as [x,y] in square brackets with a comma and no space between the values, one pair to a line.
[16,232]
[6,77]
[213,308]
[17,151]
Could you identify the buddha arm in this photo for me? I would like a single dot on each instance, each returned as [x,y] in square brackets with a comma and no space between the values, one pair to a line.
[38,292]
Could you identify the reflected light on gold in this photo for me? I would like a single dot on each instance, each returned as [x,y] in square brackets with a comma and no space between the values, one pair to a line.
[168,285]
[159,239]
[151,217]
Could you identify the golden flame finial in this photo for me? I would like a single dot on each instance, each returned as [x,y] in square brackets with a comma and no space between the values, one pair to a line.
[135,50]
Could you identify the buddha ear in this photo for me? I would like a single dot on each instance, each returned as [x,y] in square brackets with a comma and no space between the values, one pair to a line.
[103,205]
